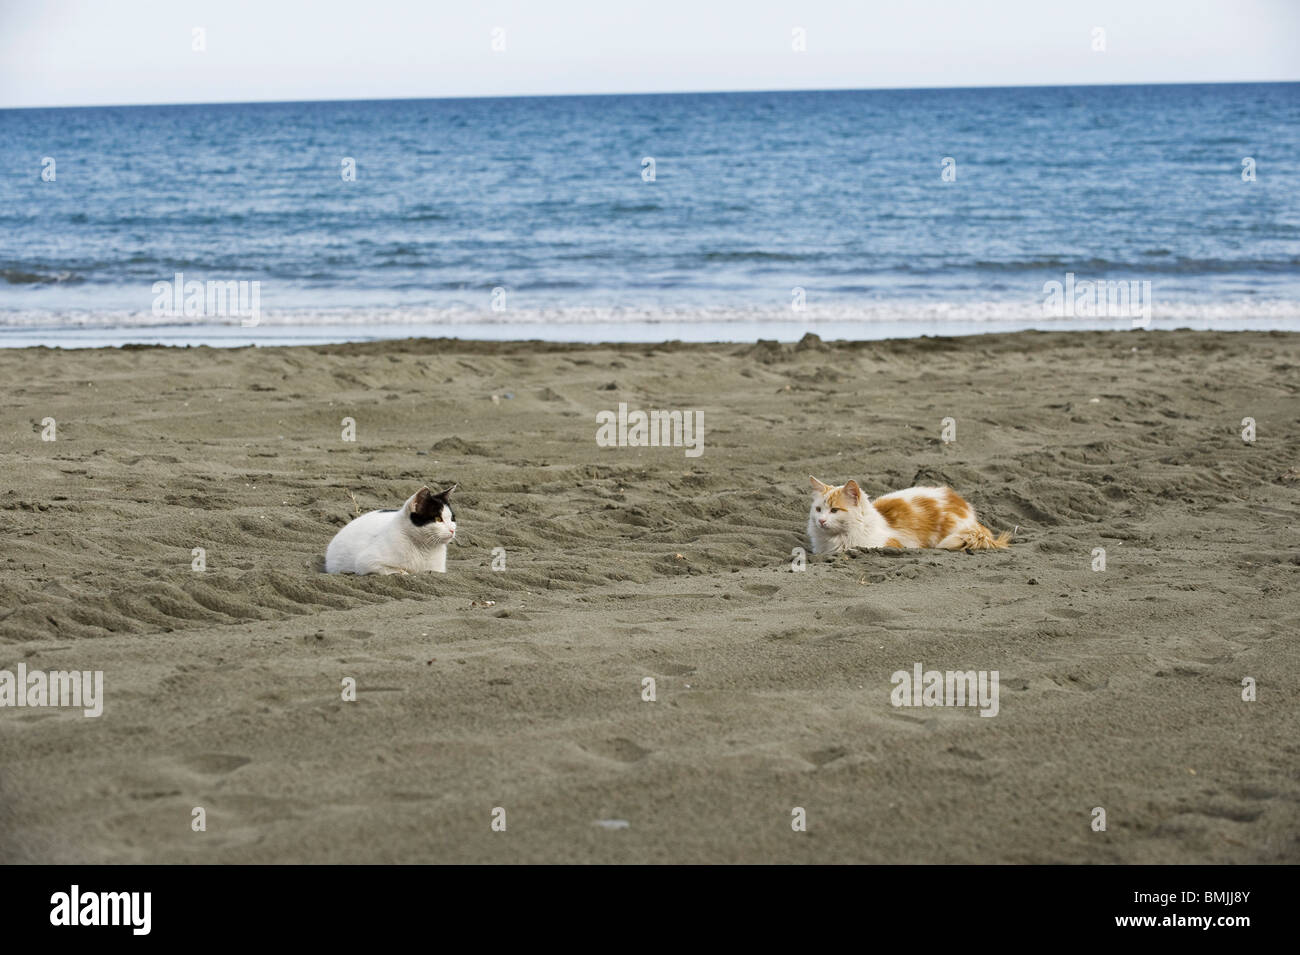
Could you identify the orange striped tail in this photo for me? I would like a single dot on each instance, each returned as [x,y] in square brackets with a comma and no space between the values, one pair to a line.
[980,537]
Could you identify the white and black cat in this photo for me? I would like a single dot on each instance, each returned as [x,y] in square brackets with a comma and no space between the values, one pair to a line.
[409,540]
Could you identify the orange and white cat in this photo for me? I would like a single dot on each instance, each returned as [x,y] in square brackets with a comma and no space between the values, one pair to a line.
[842,518]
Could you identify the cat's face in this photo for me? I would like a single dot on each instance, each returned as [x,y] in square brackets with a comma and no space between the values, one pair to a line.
[833,509]
[431,514]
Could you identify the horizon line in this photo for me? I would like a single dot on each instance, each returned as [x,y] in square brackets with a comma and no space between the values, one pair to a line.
[721,92]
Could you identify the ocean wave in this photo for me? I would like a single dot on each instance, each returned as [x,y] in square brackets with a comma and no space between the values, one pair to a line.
[1178,266]
[24,277]
[757,255]
[1279,313]
[412,266]
[622,208]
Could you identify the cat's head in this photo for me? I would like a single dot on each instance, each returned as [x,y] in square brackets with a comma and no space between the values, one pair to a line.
[430,515]
[834,509]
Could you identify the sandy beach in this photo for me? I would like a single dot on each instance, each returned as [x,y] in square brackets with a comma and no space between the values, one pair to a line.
[521,688]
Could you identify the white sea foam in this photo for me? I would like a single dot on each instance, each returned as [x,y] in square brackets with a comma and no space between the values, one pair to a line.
[1244,312]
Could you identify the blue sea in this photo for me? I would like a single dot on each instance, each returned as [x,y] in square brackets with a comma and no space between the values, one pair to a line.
[729,216]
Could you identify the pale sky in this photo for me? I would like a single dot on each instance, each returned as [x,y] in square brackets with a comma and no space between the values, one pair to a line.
[84,52]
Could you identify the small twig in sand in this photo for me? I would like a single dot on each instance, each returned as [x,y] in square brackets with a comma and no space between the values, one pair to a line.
[355,506]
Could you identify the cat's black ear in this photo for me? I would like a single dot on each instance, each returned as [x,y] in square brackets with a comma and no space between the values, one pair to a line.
[421,497]
[447,493]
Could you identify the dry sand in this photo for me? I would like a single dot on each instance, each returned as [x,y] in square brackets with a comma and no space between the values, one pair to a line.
[522,689]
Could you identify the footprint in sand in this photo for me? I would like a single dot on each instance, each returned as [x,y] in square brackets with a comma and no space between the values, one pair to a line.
[908,718]
[674,669]
[1065,613]
[864,613]
[1075,681]
[327,638]
[1254,792]
[214,764]
[1231,813]
[828,755]
[619,749]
